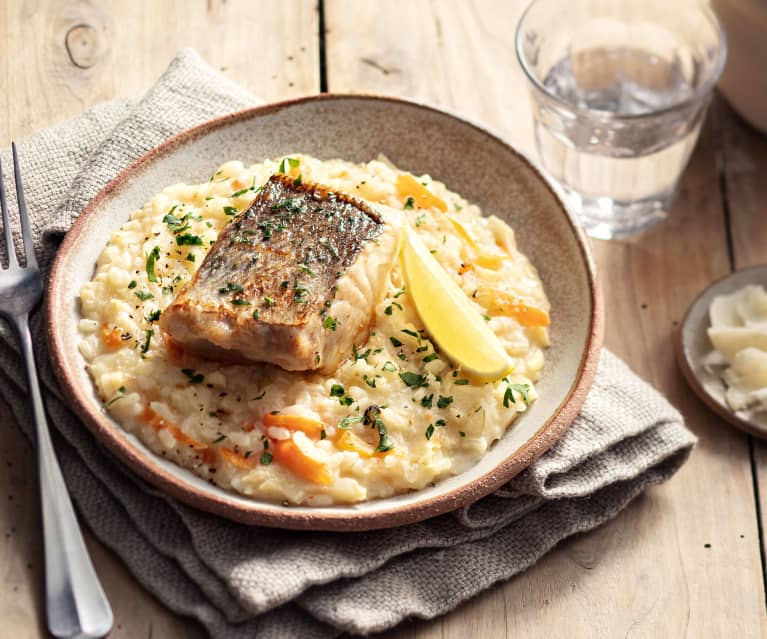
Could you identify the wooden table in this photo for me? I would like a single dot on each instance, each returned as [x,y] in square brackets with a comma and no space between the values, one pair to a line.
[685,559]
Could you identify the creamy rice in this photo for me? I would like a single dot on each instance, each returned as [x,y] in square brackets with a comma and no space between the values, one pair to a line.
[208,416]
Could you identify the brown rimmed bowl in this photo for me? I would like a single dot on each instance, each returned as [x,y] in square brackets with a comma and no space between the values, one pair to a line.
[471,161]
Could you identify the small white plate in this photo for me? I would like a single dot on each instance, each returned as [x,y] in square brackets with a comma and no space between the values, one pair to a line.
[692,345]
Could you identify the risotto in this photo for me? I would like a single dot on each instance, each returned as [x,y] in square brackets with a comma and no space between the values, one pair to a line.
[395,416]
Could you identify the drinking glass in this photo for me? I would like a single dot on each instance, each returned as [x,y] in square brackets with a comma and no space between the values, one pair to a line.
[619,90]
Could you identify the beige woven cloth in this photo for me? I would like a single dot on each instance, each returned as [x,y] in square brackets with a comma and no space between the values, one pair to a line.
[241,581]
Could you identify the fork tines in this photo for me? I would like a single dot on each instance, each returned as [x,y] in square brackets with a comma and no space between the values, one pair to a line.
[26,230]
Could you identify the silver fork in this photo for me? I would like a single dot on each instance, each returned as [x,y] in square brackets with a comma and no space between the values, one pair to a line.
[76,605]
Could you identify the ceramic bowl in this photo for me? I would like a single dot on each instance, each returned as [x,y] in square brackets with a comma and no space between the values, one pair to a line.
[418,138]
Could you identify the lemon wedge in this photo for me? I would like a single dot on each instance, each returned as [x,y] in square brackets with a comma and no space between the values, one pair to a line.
[448,315]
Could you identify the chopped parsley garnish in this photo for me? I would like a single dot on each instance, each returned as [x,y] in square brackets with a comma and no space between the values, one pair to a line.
[395,342]
[266,228]
[444,402]
[420,220]
[176,224]
[194,377]
[148,333]
[301,294]
[485,317]
[298,180]
[427,401]
[346,422]
[388,309]
[414,380]
[305,269]
[357,355]
[151,260]
[373,419]
[260,395]
[231,287]
[230,210]
[409,203]
[369,381]
[461,382]
[430,428]
[389,366]
[336,390]
[330,323]
[252,187]
[401,291]
[346,400]
[238,301]
[522,389]
[461,433]
[323,434]
[190,257]
[407,331]
[154,315]
[429,358]
[255,314]
[266,458]
[268,301]
[219,439]
[143,296]
[119,394]
[187,239]
[291,205]
[133,284]
[289,163]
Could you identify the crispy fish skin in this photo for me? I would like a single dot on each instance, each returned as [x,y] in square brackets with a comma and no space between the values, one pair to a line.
[291,281]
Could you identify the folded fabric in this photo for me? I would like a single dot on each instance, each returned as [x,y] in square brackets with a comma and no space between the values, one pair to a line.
[242,581]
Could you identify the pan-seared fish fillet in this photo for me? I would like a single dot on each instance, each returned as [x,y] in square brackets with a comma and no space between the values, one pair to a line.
[292,281]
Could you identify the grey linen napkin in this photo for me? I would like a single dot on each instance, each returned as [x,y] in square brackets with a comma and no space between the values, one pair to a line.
[241,581]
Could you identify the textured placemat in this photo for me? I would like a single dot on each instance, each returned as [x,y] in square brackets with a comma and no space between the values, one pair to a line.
[244,581]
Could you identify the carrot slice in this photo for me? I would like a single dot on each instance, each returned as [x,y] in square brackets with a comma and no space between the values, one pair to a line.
[485,260]
[287,453]
[408,186]
[507,304]
[307,425]
[349,441]
[111,337]
[238,460]
[158,423]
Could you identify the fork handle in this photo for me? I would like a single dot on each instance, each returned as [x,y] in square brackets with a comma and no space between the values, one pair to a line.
[76,605]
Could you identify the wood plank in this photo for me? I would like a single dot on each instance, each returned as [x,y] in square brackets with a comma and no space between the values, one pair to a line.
[649,572]
[745,169]
[57,59]
[60,58]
